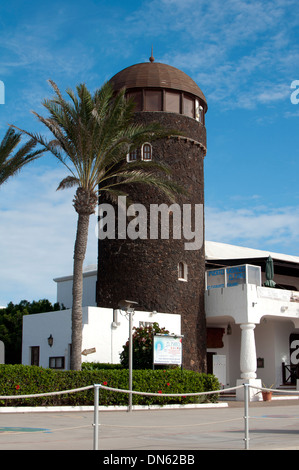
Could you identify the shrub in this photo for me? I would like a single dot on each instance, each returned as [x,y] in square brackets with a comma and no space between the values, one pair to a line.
[27,380]
[100,365]
[142,347]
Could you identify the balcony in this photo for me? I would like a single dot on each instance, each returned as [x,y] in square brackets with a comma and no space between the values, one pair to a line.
[233,276]
[236,292]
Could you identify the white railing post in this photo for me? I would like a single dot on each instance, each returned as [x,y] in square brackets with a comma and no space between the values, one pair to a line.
[96,418]
[130,358]
[246,417]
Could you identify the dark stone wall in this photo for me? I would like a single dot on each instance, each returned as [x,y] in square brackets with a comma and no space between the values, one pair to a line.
[146,271]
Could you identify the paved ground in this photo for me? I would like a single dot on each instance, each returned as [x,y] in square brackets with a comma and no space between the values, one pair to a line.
[272,425]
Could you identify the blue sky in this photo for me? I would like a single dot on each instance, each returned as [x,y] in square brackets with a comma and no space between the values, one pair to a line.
[244,55]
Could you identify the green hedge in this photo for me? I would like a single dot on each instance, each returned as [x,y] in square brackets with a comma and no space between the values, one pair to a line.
[27,380]
[100,366]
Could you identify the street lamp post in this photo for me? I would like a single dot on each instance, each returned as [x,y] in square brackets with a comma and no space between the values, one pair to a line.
[126,306]
[130,312]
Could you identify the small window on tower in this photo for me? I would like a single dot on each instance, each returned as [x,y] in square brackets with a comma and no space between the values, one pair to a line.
[146,152]
[182,272]
[132,156]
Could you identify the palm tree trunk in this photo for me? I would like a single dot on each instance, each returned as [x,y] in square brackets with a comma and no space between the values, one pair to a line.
[79,256]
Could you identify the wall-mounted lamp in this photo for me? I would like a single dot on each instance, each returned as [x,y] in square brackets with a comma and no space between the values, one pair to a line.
[50,341]
[115,323]
[229,329]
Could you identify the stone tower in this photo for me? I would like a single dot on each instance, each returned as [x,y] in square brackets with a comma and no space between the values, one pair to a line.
[165,274]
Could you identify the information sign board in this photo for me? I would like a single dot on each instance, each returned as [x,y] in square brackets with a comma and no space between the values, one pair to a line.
[167,349]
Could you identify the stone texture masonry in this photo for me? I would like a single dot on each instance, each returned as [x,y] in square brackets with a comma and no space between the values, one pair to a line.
[146,271]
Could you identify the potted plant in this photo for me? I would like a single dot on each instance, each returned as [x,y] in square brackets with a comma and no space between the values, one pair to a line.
[267,394]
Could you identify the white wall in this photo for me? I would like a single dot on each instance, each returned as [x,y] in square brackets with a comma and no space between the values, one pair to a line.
[248,303]
[223,351]
[65,286]
[272,343]
[36,330]
[99,332]
[231,349]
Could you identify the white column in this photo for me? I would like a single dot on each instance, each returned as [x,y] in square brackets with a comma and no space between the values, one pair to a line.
[248,363]
[248,351]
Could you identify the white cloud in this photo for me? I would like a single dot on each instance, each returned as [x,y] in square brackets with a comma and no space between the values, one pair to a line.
[241,55]
[257,227]
[222,47]
[37,226]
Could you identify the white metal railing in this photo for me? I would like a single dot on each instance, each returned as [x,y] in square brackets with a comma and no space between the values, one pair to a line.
[46,394]
[97,388]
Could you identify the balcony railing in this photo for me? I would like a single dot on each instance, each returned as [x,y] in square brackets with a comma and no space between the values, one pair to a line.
[289,373]
[233,276]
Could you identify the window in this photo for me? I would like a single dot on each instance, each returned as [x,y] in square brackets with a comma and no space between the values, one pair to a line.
[56,362]
[172,102]
[188,106]
[182,271]
[153,100]
[132,156]
[146,152]
[136,96]
[34,355]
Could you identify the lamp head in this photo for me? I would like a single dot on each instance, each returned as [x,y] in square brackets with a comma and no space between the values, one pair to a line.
[126,304]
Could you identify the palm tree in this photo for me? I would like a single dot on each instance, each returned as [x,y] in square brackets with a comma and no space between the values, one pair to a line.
[92,136]
[11,164]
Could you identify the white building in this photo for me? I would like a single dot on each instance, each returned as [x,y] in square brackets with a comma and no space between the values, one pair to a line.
[252,330]
[47,336]
[65,285]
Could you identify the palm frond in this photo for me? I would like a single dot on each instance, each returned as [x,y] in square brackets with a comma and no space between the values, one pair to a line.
[168,187]
[68,182]
[10,140]
[92,134]
[12,164]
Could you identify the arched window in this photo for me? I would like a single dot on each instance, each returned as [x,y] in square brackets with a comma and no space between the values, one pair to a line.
[182,271]
[146,152]
[132,156]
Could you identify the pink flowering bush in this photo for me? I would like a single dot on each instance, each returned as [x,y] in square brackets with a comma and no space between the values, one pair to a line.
[142,347]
